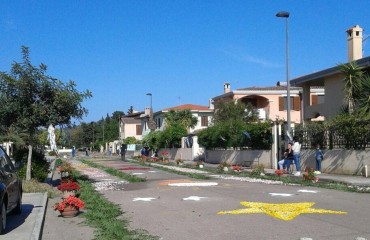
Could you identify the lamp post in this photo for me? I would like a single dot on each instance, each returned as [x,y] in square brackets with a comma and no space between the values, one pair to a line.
[285,15]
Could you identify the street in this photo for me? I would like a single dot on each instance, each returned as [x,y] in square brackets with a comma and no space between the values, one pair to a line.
[177,207]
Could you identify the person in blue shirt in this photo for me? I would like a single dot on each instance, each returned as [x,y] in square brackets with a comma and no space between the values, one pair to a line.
[319,156]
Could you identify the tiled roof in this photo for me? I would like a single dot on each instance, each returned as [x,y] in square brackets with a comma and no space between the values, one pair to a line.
[268,88]
[131,120]
[188,106]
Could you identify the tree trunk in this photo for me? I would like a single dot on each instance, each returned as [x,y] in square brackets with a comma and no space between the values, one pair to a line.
[28,172]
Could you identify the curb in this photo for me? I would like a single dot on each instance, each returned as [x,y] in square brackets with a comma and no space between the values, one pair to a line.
[36,233]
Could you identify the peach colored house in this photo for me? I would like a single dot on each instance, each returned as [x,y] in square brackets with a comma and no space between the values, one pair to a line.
[331,80]
[271,102]
[130,126]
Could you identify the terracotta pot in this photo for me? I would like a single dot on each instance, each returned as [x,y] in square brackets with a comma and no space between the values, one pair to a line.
[66,194]
[69,212]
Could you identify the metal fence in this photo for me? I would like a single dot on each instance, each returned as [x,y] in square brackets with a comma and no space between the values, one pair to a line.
[334,139]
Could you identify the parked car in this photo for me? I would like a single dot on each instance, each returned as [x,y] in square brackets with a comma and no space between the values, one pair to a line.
[10,189]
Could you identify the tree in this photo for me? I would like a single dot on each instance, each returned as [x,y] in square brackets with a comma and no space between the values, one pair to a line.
[353,77]
[183,118]
[33,99]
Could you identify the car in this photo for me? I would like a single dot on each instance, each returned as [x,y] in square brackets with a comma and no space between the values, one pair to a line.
[10,189]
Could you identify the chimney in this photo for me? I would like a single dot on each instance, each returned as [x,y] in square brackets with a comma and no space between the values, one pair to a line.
[354,37]
[226,87]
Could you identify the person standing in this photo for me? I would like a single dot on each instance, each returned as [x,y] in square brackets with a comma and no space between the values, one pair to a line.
[73,151]
[123,152]
[319,155]
[297,155]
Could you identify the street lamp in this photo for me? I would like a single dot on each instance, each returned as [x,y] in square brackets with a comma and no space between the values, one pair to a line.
[285,15]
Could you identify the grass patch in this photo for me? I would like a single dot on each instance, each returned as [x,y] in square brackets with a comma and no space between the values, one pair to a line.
[105,216]
[115,172]
[33,185]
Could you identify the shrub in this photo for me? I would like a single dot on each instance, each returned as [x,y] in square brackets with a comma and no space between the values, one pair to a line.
[39,165]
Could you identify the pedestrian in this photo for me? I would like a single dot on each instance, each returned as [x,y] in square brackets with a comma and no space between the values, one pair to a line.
[73,151]
[123,152]
[297,155]
[319,156]
[284,164]
[110,151]
[87,152]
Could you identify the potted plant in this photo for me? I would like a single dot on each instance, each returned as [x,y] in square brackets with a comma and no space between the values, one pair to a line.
[199,164]
[309,175]
[164,156]
[65,169]
[223,166]
[179,161]
[70,206]
[236,168]
[68,188]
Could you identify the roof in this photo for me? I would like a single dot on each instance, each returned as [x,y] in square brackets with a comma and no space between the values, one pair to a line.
[131,120]
[192,107]
[363,62]
[274,88]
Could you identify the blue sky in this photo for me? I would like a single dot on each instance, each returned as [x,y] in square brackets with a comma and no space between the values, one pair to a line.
[180,51]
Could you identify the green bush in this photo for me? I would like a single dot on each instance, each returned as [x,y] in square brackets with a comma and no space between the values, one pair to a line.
[39,165]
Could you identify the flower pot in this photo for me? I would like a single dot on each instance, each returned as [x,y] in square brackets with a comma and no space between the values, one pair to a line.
[226,169]
[69,212]
[68,193]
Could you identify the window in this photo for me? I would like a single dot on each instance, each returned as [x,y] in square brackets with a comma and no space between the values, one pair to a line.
[295,103]
[317,99]
[138,129]
[204,121]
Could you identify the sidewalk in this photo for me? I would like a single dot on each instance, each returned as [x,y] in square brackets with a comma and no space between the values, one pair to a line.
[27,225]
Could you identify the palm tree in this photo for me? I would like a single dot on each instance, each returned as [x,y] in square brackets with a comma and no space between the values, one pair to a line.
[353,76]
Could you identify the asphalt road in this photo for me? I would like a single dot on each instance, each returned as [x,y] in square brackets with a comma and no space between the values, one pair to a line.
[192,212]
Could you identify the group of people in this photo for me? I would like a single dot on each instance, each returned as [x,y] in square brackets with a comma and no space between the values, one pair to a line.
[293,154]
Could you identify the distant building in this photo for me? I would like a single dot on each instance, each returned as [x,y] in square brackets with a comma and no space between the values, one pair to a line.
[130,126]
[204,114]
[271,102]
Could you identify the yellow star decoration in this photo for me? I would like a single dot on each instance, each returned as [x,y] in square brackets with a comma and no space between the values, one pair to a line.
[284,211]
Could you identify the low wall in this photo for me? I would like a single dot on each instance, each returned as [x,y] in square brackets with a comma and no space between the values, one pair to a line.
[338,161]
[236,157]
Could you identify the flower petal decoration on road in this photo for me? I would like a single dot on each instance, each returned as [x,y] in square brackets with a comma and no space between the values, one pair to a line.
[284,211]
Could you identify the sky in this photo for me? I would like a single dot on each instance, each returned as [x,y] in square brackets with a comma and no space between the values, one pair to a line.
[180,51]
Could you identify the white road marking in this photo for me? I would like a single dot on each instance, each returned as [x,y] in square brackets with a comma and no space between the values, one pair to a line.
[143,199]
[281,194]
[307,191]
[193,198]
[193,184]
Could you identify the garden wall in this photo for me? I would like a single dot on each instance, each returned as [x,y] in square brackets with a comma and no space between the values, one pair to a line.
[338,161]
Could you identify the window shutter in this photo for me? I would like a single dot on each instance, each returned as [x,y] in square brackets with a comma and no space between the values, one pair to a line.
[281,103]
[296,103]
[138,129]
[314,99]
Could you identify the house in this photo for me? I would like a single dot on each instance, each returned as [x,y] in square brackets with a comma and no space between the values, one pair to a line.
[130,126]
[331,80]
[204,115]
[271,102]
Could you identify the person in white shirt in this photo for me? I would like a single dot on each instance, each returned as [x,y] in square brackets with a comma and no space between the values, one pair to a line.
[297,155]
